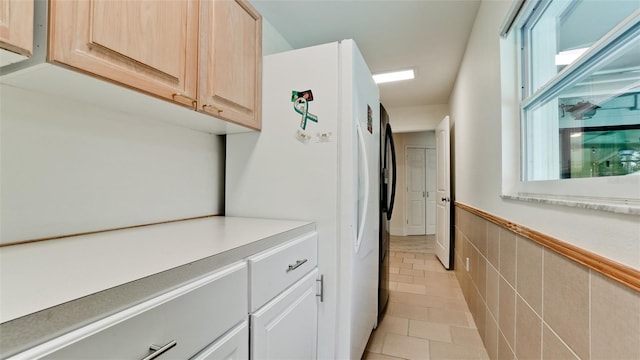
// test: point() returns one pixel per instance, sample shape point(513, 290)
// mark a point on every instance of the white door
point(416, 191)
point(443, 193)
point(431, 191)
point(286, 327)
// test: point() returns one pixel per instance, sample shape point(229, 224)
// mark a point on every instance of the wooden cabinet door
point(286, 327)
point(147, 45)
point(230, 66)
point(16, 26)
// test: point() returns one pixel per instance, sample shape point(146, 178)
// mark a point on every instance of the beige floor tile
point(407, 279)
point(406, 347)
point(426, 317)
point(393, 285)
point(456, 305)
point(402, 265)
point(414, 261)
point(412, 288)
point(466, 336)
point(410, 312)
point(417, 299)
point(448, 317)
point(376, 340)
point(412, 272)
point(429, 330)
point(392, 324)
point(445, 292)
point(375, 356)
point(442, 351)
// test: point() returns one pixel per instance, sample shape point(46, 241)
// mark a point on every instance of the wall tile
point(528, 332)
point(481, 231)
point(507, 312)
point(493, 244)
point(615, 320)
point(554, 348)
point(529, 273)
point(566, 301)
point(504, 351)
point(473, 229)
point(473, 265)
point(493, 286)
point(508, 256)
point(482, 277)
point(491, 336)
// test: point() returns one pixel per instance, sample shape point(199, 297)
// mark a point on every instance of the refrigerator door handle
point(365, 204)
point(389, 136)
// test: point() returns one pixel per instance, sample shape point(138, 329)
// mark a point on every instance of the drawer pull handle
point(194, 102)
point(296, 265)
point(159, 350)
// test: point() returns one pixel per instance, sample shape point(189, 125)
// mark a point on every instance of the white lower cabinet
point(174, 325)
point(232, 346)
point(286, 327)
point(262, 307)
point(284, 300)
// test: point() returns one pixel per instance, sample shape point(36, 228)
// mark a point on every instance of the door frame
point(405, 227)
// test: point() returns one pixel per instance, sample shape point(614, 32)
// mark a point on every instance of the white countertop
point(37, 276)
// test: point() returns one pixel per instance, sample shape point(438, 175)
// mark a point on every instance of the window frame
point(621, 192)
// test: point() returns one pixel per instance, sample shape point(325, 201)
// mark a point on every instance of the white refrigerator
point(317, 158)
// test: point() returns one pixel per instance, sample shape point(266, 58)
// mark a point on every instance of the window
point(580, 103)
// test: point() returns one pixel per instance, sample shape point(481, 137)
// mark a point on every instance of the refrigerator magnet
point(300, 100)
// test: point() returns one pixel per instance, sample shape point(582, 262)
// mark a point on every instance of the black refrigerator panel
point(387, 199)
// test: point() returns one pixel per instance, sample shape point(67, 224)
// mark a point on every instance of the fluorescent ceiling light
point(569, 56)
point(394, 76)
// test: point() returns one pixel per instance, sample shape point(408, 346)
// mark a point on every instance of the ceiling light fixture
point(394, 76)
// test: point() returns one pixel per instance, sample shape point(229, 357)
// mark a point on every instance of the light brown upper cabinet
point(203, 54)
point(230, 77)
point(16, 26)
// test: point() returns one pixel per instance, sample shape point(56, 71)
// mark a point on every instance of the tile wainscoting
point(535, 297)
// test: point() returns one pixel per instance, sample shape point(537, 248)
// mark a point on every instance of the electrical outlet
point(467, 265)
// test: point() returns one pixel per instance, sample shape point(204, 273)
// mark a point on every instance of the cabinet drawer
point(234, 345)
point(193, 316)
point(272, 271)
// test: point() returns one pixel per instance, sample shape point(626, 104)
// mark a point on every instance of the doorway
point(420, 165)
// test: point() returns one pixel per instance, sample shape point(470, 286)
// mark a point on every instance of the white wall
point(272, 41)
point(416, 118)
point(480, 114)
point(69, 167)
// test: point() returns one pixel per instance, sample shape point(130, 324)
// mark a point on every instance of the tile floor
point(427, 316)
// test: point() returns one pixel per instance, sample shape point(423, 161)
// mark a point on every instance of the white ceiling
point(429, 36)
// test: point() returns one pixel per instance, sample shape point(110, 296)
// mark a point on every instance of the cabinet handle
point(296, 265)
point(194, 102)
point(205, 106)
point(159, 350)
point(321, 281)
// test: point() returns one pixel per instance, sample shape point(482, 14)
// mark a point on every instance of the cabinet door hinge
point(321, 288)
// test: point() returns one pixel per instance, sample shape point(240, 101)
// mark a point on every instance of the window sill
point(618, 206)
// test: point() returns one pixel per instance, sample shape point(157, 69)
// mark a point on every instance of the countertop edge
point(30, 330)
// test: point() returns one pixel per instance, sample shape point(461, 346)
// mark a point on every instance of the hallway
point(427, 316)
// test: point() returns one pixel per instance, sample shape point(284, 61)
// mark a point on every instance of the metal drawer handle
point(159, 350)
point(296, 265)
